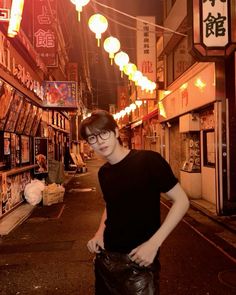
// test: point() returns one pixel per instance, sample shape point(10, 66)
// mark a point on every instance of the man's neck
point(119, 154)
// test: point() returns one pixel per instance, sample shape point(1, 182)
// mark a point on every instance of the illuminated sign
point(4, 14)
point(214, 27)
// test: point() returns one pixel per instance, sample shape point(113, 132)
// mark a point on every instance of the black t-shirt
point(131, 189)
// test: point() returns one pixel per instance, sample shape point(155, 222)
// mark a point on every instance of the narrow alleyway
point(47, 254)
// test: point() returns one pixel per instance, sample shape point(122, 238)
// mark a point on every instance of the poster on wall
point(6, 95)
point(12, 190)
point(60, 94)
point(25, 149)
point(30, 120)
point(7, 143)
point(35, 124)
point(14, 112)
point(41, 155)
point(24, 112)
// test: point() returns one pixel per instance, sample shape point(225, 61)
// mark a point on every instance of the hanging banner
point(44, 22)
point(122, 97)
point(60, 94)
point(146, 53)
point(72, 72)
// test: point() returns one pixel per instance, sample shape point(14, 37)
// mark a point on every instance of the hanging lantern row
point(98, 24)
point(127, 110)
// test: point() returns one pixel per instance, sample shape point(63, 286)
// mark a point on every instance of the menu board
point(14, 112)
point(24, 112)
point(25, 149)
point(35, 124)
point(12, 190)
point(6, 95)
point(41, 155)
point(7, 143)
point(13, 150)
point(30, 120)
point(17, 145)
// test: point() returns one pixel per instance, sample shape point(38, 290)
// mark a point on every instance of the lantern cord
point(157, 32)
point(139, 19)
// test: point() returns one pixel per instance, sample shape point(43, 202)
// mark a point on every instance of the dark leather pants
point(116, 274)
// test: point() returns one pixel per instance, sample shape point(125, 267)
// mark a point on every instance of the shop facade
point(197, 135)
point(26, 128)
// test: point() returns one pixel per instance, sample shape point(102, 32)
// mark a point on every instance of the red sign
point(123, 97)
point(45, 42)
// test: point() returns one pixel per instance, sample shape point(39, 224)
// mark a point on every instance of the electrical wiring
point(130, 27)
point(139, 19)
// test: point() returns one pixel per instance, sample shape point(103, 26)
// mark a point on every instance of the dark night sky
point(105, 77)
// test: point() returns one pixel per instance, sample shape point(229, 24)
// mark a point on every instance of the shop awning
point(135, 124)
point(150, 115)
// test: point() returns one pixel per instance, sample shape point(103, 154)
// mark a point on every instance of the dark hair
point(99, 120)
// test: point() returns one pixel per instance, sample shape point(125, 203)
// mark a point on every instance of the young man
point(129, 236)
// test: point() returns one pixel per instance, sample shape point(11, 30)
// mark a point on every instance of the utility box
point(189, 122)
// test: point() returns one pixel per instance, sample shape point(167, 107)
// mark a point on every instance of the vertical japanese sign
point(72, 72)
point(213, 28)
point(45, 42)
point(215, 21)
point(146, 52)
point(123, 97)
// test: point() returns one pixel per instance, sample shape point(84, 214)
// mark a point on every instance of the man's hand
point(144, 254)
point(95, 243)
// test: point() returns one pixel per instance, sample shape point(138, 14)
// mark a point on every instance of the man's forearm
point(102, 225)
point(174, 216)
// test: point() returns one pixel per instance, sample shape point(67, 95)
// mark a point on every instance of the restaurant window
point(209, 148)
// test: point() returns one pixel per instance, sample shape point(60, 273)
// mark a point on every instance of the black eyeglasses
point(93, 138)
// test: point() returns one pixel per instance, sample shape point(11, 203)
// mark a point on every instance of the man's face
point(103, 142)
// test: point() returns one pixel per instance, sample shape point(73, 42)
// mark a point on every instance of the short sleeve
point(161, 172)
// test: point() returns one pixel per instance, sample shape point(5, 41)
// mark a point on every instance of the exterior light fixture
point(98, 24)
point(121, 59)
point(79, 5)
point(15, 18)
point(198, 83)
point(111, 45)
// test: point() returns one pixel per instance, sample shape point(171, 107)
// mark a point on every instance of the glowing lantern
point(143, 82)
point(153, 86)
point(98, 24)
point(133, 106)
point(79, 5)
point(111, 45)
point(136, 76)
point(121, 59)
point(138, 102)
point(129, 69)
point(15, 18)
